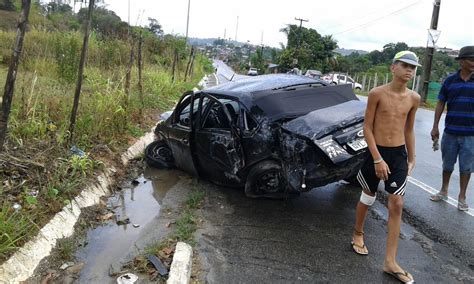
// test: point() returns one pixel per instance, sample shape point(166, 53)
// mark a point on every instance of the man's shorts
point(396, 159)
point(454, 146)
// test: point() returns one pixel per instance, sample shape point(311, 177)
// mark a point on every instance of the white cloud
point(367, 24)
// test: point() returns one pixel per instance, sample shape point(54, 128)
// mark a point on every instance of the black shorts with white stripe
point(396, 159)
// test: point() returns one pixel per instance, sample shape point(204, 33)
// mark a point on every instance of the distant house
point(449, 51)
point(273, 68)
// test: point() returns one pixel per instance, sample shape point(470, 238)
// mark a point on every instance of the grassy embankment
point(38, 172)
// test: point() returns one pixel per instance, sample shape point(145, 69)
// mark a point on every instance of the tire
point(158, 155)
point(265, 179)
point(358, 89)
point(333, 84)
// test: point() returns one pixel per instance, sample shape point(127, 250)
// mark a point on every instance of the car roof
point(279, 96)
point(248, 86)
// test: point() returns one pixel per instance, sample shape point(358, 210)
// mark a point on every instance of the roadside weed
point(13, 228)
point(195, 198)
point(185, 226)
point(81, 164)
point(67, 248)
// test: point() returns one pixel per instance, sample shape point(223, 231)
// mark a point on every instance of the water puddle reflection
point(108, 244)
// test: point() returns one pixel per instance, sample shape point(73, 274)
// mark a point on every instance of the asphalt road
point(307, 238)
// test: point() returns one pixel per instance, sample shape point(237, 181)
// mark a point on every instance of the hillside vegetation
point(40, 171)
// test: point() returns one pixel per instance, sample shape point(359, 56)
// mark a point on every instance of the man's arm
point(438, 111)
point(410, 133)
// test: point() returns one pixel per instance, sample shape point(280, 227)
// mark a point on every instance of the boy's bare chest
point(394, 106)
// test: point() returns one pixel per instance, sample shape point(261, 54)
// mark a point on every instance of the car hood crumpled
point(319, 123)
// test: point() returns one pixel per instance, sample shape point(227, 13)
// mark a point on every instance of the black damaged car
point(271, 134)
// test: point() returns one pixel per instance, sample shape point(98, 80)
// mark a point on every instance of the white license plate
point(357, 145)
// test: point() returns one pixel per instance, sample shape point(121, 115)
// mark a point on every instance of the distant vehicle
point(295, 71)
point(313, 74)
point(340, 79)
point(252, 71)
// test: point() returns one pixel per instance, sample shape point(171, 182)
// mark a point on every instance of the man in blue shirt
point(458, 137)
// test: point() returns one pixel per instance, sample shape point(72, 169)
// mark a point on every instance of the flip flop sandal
point(438, 197)
point(354, 246)
point(400, 276)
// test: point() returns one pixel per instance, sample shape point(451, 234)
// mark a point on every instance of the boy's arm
point(369, 124)
point(410, 134)
point(381, 168)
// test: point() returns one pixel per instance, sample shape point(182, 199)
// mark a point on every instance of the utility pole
point(430, 51)
point(299, 31)
point(128, 13)
point(187, 22)
point(236, 28)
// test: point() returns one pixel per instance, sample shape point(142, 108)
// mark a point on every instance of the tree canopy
point(307, 49)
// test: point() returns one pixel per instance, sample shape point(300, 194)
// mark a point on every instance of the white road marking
point(431, 190)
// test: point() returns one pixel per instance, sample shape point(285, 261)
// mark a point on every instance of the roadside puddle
point(134, 207)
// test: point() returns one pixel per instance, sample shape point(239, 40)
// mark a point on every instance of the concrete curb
point(21, 265)
point(180, 271)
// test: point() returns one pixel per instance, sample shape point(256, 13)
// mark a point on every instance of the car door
point(180, 138)
point(218, 146)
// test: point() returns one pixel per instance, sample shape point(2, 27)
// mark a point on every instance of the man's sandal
point(402, 276)
point(359, 249)
point(439, 197)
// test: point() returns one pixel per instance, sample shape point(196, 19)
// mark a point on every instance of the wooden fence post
point(140, 86)
point(12, 71)
point(189, 64)
point(175, 61)
point(72, 121)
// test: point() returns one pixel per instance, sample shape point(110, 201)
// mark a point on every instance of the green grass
point(14, 228)
point(38, 132)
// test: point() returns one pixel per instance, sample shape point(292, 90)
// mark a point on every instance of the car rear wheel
point(159, 155)
point(265, 180)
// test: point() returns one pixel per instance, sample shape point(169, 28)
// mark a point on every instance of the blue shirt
point(459, 97)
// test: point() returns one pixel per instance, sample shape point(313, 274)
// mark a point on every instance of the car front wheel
point(265, 180)
point(159, 155)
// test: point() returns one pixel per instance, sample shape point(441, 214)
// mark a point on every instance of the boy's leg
point(390, 265)
point(395, 208)
point(361, 213)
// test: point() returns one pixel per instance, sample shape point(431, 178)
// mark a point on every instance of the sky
point(363, 24)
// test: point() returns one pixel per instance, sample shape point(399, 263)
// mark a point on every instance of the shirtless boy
point(388, 130)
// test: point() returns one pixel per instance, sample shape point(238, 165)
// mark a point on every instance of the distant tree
point(155, 27)
point(53, 7)
point(219, 41)
point(258, 61)
point(106, 22)
point(7, 5)
point(307, 49)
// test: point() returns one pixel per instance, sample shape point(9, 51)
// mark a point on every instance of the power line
point(377, 19)
point(365, 16)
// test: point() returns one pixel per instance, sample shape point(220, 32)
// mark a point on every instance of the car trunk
point(332, 129)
